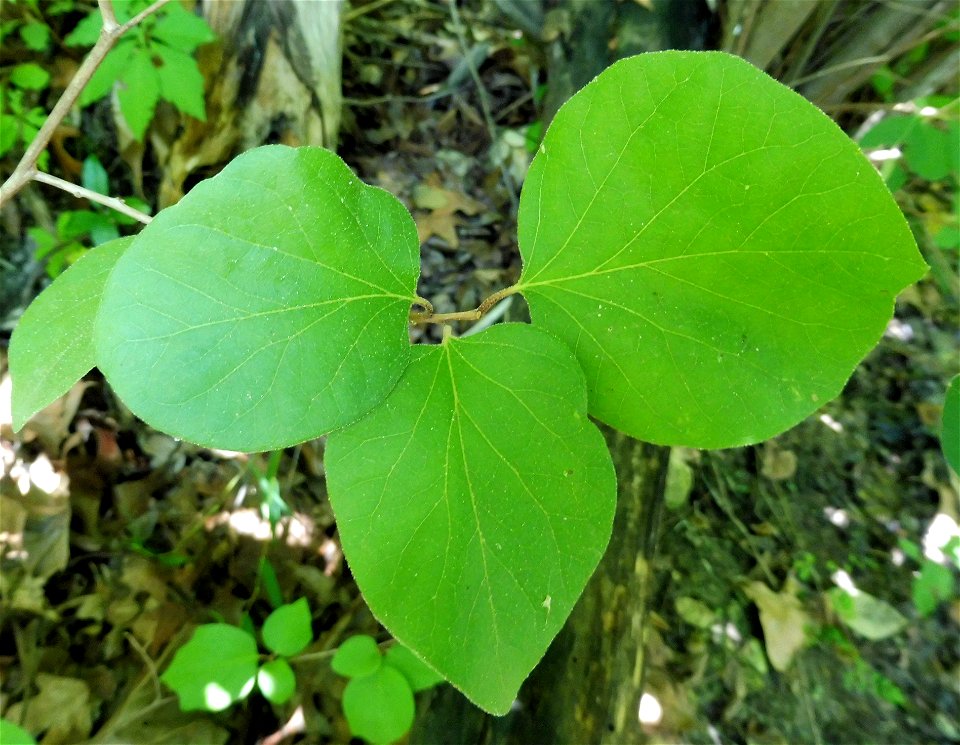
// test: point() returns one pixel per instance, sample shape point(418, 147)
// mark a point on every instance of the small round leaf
point(379, 707)
point(215, 668)
point(276, 681)
point(357, 656)
point(287, 630)
point(418, 674)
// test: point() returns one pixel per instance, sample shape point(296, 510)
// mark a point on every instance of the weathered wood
point(273, 75)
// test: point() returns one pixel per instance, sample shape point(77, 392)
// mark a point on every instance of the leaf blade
point(202, 686)
point(518, 529)
point(216, 336)
point(717, 277)
point(52, 345)
point(288, 630)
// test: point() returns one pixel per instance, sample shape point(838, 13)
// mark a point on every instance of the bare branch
point(141, 15)
point(81, 192)
point(109, 34)
point(109, 17)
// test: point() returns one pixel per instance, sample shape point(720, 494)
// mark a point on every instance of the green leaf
point(181, 29)
point(928, 152)
point(474, 504)
point(934, 584)
point(379, 707)
point(950, 428)
point(269, 306)
point(418, 674)
point(139, 93)
point(215, 668)
point(947, 238)
point(870, 617)
point(36, 36)
point(276, 681)
point(87, 31)
point(9, 131)
point(94, 176)
point(357, 656)
point(52, 345)
point(11, 734)
point(109, 72)
point(30, 76)
point(717, 253)
point(287, 630)
point(180, 81)
point(76, 223)
point(890, 131)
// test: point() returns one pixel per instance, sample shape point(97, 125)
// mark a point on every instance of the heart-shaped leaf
point(715, 250)
point(288, 630)
point(379, 707)
point(52, 345)
point(474, 504)
point(357, 656)
point(266, 308)
point(276, 681)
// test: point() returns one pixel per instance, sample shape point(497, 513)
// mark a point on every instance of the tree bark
point(273, 76)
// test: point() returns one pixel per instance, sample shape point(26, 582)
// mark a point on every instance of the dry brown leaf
point(443, 204)
point(61, 708)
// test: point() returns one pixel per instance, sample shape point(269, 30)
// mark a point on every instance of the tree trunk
point(273, 76)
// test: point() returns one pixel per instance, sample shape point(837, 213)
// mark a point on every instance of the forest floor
point(117, 539)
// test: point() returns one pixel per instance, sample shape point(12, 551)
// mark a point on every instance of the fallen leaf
point(51, 426)
point(783, 620)
point(61, 708)
point(443, 204)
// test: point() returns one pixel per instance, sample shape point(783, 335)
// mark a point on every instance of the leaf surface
point(717, 253)
point(52, 345)
point(418, 675)
point(474, 504)
point(287, 630)
point(276, 681)
point(357, 656)
point(268, 307)
point(215, 668)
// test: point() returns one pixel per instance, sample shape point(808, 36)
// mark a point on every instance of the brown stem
point(26, 169)
point(419, 317)
point(81, 192)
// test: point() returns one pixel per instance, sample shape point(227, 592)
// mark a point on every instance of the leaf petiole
point(428, 316)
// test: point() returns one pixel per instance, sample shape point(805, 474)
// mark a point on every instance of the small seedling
point(378, 701)
point(220, 665)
